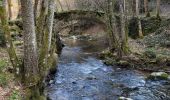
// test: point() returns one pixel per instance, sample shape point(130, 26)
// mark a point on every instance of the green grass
point(3, 64)
point(15, 95)
point(3, 76)
point(3, 80)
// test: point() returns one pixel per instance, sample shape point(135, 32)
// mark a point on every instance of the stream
point(83, 76)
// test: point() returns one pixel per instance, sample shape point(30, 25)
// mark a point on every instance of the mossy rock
point(106, 54)
point(123, 63)
point(158, 76)
point(109, 62)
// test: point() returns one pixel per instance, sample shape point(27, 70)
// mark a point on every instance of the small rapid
point(82, 75)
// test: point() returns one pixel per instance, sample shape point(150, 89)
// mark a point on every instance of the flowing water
point(83, 76)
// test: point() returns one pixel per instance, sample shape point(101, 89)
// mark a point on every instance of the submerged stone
point(124, 98)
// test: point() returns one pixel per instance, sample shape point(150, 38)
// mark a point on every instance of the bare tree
point(110, 25)
point(10, 9)
point(37, 3)
point(124, 35)
point(47, 35)
point(158, 8)
point(41, 22)
point(146, 6)
point(9, 44)
point(139, 21)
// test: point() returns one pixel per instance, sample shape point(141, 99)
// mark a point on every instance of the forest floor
point(9, 88)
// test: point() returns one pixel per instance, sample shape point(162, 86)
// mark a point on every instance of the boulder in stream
point(158, 75)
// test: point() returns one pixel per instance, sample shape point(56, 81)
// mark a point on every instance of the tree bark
point(47, 37)
point(110, 25)
point(35, 9)
point(158, 8)
point(30, 44)
point(50, 20)
point(124, 36)
point(139, 22)
point(40, 26)
point(8, 39)
point(133, 8)
point(10, 9)
point(146, 8)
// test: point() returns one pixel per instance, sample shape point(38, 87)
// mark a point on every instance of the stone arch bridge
point(69, 18)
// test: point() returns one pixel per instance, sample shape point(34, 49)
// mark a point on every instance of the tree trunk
point(110, 25)
point(31, 71)
point(146, 8)
point(139, 22)
point(47, 37)
point(10, 9)
point(9, 44)
point(36, 9)
point(124, 36)
point(41, 22)
point(50, 20)
point(158, 8)
point(133, 7)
